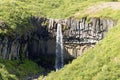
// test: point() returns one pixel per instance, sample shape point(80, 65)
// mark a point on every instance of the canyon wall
point(81, 34)
point(78, 35)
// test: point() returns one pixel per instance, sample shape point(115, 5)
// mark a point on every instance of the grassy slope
point(16, 13)
point(99, 63)
point(96, 63)
point(13, 70)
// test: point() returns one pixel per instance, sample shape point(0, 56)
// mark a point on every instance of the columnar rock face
point(78, 35)
point(84, 30)
point(81, 34)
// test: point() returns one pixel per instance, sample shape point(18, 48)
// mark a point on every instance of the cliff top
point(17, 14)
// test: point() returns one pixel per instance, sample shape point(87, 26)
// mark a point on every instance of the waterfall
point(59, 48)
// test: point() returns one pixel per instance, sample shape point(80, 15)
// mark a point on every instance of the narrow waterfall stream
point(59, 63)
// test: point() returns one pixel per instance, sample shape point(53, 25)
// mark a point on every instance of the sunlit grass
point(100, 63)
point(16, 13)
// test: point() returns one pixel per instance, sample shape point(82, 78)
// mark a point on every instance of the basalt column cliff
point(78, 35)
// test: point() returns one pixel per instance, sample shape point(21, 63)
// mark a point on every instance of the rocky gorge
point(78, 35)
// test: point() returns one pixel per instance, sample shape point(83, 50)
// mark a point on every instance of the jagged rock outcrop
point(41, 40)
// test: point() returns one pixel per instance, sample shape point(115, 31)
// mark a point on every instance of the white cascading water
point(59, 63)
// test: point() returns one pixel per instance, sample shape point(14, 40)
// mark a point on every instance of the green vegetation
point(13, 70)
point(99, 63)
point(17, 13)
point(5, 75)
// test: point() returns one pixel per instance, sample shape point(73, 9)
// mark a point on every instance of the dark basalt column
point(41, 40)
